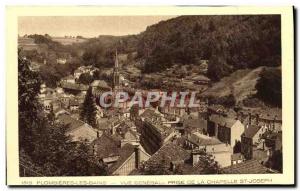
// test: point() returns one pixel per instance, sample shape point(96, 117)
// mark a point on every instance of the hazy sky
point(87, 26)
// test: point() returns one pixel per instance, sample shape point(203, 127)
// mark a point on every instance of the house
point(77, 129)
point(61, 61)
point(237, 158)
point(273, 141)
point(74, 105)
point(172, 159)
point(226, 129)
point(60, 111)
point(68, 79)
point(119, 159)
point(247, 167)
point(99, 87)
point(127, 131)
point(77, 73)
point(193, 124)
point(74, 88)
point(154, 134)
point(221, 152)
point(250, 139)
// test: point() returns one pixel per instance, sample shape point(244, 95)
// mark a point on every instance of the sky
point(93, 26)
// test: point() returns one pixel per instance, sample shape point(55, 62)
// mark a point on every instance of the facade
point(251, 139)
point(226, 129)
point(221, 152)
point(154, 134)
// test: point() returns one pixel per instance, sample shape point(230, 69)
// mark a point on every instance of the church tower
point(116, 74)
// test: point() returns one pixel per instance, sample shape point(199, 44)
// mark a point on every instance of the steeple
point(116, 74)
point(116, 60)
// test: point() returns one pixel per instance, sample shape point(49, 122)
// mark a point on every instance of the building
point(194, 124)
point(61, 61)
point(172, 159)
point(247, 167)
point(237, 158)
point(226, 129)
point(74, 105)
point(99, 87)
point(78, 130)
point(73, 88)
point(154, 134)
point(250, 139)
point(221, 152)
point(119, 159)
point(77, 73)
point(68, 79)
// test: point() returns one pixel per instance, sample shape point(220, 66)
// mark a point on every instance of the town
point(134, 140)
point(226, 129)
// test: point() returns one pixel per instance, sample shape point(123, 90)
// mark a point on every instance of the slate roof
point(195, 123)
point(202, 140)
point(251, 130)
point(71, 86)
point(224, 121)
point(70, 122)
point(169, 152)
point(106, 146)
point(125, 152)
point(100, 83)
point(247, 167)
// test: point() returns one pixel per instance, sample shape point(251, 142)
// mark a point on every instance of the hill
point(248, 87)
point(228, 42)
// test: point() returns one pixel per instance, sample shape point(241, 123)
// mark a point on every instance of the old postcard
point(150, 96)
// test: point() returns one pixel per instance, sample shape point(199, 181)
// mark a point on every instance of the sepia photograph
point(151, 95)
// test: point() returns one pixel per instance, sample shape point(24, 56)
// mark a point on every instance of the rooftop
point(99, 83)
point(168, 153)
point(70, 122)
point(247, 167)
point(203, 140)
point(72, 86)
point(225, 121)
point(251, 130)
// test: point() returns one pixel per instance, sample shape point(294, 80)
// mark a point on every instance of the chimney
point(242, 117)
point(94, 149)
point(195, 157)
point(250, 119)
point(257, 119)
point(137, 157)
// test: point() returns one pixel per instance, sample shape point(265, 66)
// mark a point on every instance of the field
point(241, 84)
point(68, 41)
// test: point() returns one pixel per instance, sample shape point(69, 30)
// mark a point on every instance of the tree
point(208, 165)
point(270, 84)
point(85, 78)
point(28, 89)
point(43, 144)
point(275, 161)
point(237, 147)
point(88, 110)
